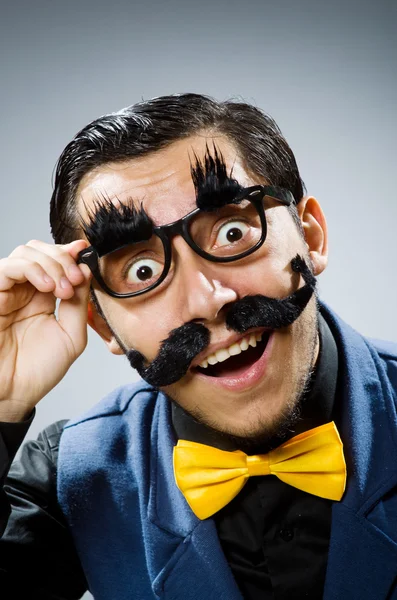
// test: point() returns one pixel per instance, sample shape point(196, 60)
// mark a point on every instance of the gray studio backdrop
point(325, 70)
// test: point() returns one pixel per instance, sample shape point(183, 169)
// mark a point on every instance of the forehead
point(161, 180)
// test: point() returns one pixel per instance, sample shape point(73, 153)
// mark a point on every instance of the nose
point(201, 292)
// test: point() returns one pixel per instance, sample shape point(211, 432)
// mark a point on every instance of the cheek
point(283, 237)
point(265, 276)
point(143, 327)
point(269, 272)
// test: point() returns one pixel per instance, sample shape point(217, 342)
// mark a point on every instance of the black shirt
point(274, 537)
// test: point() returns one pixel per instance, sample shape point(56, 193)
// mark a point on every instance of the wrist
point(14, 414)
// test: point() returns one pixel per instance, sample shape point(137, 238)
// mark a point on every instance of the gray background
point(325, 70)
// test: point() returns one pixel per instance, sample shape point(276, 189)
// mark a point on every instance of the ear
point(99, 325)
point(315, 231)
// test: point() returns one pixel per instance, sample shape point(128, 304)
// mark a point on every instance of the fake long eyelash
point(110, 227)
point(214, 186)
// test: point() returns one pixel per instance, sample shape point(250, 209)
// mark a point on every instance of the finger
point(72, 314)
point(65, 254)
point(61, 268)
point(20, 270)
point(72, 248)
point(75, 247)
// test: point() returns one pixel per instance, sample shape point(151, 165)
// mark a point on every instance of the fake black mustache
point(186, 342)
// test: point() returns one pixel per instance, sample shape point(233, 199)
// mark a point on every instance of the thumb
point(72, 313)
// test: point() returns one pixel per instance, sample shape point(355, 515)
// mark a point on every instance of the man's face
point(255, 391)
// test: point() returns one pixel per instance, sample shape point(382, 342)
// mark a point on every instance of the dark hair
point(148, 126)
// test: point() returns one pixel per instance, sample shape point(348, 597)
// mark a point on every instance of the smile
point(239, 366)
point(233, 350)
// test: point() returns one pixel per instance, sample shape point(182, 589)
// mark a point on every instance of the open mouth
point(236, 365)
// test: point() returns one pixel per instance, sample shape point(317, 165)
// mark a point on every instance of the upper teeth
point(236, 348)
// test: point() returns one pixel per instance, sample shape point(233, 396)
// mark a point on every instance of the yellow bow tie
point(209, 478)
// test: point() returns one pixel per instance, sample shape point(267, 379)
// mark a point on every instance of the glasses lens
point(133, 268)
point(229, 231)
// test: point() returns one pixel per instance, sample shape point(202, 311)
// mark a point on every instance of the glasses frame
point(255, 194)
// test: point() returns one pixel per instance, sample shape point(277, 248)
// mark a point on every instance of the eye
point(231, 232)
point(143, 270)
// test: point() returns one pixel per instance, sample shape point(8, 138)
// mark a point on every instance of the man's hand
point(36, 349)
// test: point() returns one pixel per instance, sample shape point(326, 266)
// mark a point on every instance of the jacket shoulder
point(385, 349)
point(117, 402)
point(107, 450)
point(387, 352)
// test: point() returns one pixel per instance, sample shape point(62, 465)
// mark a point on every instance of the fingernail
point(65, 283)
point(47, 279)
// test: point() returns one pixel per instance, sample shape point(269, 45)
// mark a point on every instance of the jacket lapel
point(362, 558)
point(198, 569)
point(184, 556)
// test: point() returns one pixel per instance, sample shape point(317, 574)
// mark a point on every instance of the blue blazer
point(138, 539)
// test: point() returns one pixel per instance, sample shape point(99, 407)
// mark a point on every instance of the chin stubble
point(266, 435)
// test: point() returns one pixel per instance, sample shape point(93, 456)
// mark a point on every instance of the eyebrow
point(110, 227)
point(214, 186)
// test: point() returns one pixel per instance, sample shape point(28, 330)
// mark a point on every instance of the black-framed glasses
point(224, 235)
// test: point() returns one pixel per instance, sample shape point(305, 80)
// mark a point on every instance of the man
point(184, 225)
